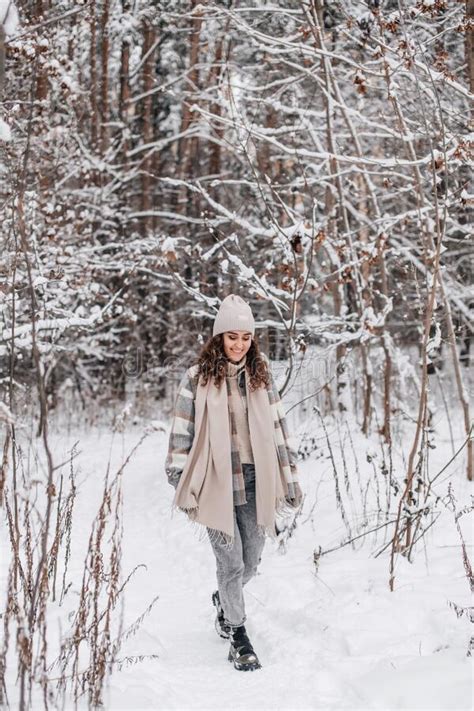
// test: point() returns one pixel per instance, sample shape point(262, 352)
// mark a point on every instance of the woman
point(230, 462)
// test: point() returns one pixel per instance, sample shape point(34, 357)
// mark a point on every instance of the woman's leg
point(230, 571)
point(252, 539)
point(237, 565)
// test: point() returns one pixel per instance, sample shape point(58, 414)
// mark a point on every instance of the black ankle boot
point(222, 628)
point(241, 652)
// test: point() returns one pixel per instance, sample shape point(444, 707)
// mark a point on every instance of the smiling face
point(236, 344)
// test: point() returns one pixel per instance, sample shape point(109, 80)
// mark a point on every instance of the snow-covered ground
point(335, 639)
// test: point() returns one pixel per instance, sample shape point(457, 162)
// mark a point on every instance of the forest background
point(310, 155)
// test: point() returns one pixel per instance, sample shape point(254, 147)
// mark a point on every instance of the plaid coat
point(182, 435)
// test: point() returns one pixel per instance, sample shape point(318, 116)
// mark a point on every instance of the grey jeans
point(237, 565)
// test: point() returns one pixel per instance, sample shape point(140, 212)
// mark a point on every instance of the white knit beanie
point(234, 315)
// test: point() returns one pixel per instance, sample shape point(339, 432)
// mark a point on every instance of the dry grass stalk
point(460, 610)
point(96, 631)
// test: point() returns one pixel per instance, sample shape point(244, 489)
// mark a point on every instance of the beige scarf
point(204, 491)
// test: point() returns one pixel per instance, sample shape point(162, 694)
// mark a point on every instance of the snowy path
point(340, 640)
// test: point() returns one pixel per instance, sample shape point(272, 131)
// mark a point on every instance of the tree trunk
point(469, 44)
point(104, 86)
point(147, 123)
point(185, 143)
point(41, 89)
point(2, 60)
point(93, 80)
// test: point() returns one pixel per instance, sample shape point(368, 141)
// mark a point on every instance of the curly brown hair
point(212, 362)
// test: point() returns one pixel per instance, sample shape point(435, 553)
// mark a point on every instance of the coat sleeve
point(295, 495)
point(289, 441)
point(182, 429)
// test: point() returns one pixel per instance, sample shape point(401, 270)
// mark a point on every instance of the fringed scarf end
point(202, 531)
point(267, 531)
